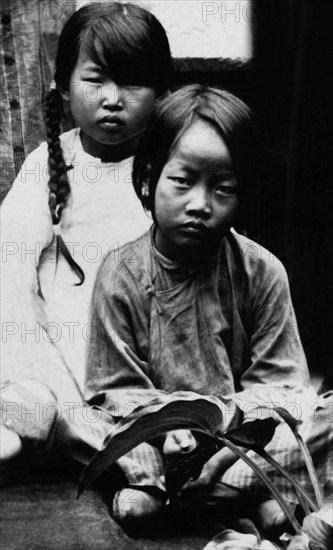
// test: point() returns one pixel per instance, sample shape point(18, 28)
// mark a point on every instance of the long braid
point(58, 183)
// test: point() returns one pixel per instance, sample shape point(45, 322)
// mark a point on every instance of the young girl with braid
point(73, 201)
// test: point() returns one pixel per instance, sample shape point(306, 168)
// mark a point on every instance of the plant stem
point(293, 425)
point(311, 469)
point(303, 497)
point(276, 493)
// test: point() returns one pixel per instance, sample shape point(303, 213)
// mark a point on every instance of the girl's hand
point(179, 441)
point(209, 475)
point(10, 444)
point(213, 470)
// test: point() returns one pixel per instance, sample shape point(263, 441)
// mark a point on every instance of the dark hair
point(173, 115)
point(130, 45)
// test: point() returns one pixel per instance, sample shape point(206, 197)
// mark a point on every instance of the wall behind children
point(275, 54)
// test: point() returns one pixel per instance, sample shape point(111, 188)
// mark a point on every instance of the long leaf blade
point(305, 500)
point(269, 484)
point(254, 434)
point(293, 424)
point(150, 421)
point(257, 434)
point(289, 419)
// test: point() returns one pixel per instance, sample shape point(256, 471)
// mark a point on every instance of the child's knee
point(10, 444)
point(28, 408)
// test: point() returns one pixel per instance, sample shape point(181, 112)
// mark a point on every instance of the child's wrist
point(223, 460)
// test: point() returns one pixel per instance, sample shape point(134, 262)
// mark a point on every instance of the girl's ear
point(145, 187)
point(64, 94)
point(145, 190)
point(146, 181)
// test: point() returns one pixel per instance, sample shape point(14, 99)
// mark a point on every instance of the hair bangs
point(123, 50)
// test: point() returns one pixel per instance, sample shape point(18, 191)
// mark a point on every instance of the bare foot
point(133, 505)
point(179, 441)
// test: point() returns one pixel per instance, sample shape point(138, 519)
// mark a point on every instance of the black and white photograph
point(166, 216)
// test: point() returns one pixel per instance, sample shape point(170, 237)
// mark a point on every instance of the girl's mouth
point(195, 227)
point(194, 231)
point(110, 122)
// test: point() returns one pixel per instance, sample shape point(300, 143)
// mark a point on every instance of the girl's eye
point(133, 87)
point(93, 80)
point(180, 180)
point(224, 189)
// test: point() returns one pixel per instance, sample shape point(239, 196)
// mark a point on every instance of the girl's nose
point(199, 201)
point(113, 95)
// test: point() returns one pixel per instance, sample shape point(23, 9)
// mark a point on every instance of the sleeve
point(278, 372)
point(26, 232)
point(118, 373)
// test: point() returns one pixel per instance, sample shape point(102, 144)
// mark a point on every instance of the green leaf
point(166, 412)
point(253, 435)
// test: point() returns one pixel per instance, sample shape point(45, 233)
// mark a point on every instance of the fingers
point(191, 487)
point(10, 444)
point(179, 441)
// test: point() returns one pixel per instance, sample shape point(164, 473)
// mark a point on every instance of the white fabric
point(103, 212)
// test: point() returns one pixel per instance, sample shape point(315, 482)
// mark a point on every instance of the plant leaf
point(167, 412)
point(253, 435)
point(304, 499)
point(293, 424)
point(264, 477)
point(319, 527)
point(189, 465)
point(289, 419)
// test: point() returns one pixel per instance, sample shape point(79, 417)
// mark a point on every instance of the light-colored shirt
point(45, 316)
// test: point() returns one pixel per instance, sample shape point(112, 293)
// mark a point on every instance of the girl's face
point(196, 194)
point(111, 117)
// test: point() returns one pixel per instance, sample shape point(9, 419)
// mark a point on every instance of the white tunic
point(45, 316)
